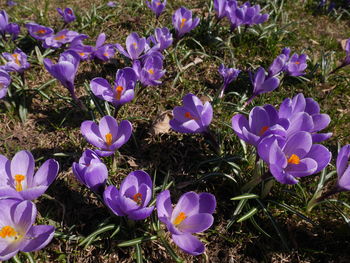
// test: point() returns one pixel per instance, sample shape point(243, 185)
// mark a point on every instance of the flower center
point(158, 3)
point(16, 58)
point(294, 159)
point(108, 139)
point(106, 54)
point(151, 71)
point(69, 12)
point(18, 182)
point(82, 54)
point(263, 130)
point(1, 86)
point(297, 62)
point(7, 231)
point(119, 90)
point(61, 37)
point(41, 32)
point(135, 45)
point(183, 21)
point(181, 217)
point(189, 116)
point(137, 198)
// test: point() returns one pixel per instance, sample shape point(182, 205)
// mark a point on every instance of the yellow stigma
point(41, 32)
point(106, 54)
point(135, 45)
point(60, 37)
point(263, 130)
point(7, 231)
point(297, 62)
point(16, 57)
point(183, 21)
point(119, 90)
point(108, 139)
point(294, 159)
point(137, 198)
point(150, 71)
point(181, 217)
point(82, 54)
point(158, 3)
point(18, 179)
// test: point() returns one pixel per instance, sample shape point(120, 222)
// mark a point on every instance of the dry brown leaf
point(161, 124)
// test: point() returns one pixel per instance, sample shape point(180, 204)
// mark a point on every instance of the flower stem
point(213, 142)
point(318, 198)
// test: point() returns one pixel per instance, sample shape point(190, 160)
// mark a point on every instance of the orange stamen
point(18, 179)
point(60, 37)
point(263, 130)
point(181, 217)
point(82, 54)
point(135, 45)
point(106, 54)
point(69, 12)
point(137, 198)
point(189, 116)
point(297, 62)
point(294, 159)
point(108, 139)
point(7, 231)
point(150, 71)
point(158, 3)
point(16, 57)
point(41, 32)
point(183, 21)
point(119, 90)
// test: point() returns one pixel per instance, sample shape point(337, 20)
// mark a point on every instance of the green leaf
point(89, 239)
point(244, 196)
point(138, 253)
point(135, 241)
point(171, 252)
point(251, 213)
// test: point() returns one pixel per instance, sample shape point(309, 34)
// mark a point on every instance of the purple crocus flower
point(193, 116)
point(5, 81)
point(121, 92)
point(11, 3)
point(91, 171)
point(65, 70)
point(4, 21)
point(296, 65)
point(262, 122)
point(250, 15)
point(262, 83)
point(17, 180)
point(220, 8)
point(132, 198)
point(304, 114)
point(107, 135)
point(343, 169)
point(162, 39)
point(17, 232)
point(151, 71)
point(231, 8)
point(192, 214)
point(278, 65)
point(104, 52)
point(294, 157)
point(229, 75)
point(347, 50)
point(39, 32)
point(16, 61)
point(135, 45)
point(67, 14)
point(183, 22)
point(156, 6)
point(83, 51)
point(111, 4)
point(62, 37)
point(13, 29)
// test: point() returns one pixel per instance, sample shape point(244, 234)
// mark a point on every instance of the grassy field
point(42, 118)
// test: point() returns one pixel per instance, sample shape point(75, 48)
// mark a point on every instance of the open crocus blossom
point(262, 122)
point(91, 171)
point(343, 169)
point(4, 21)
point(135, 45)
point(229, 75)
point(193, 116)
point(121, 92)
point(262, 83)
point(296, 65)
point(107, 135)
point(5, 81)
point(16, 61)
point(65, 70)
point(183, 22)
point(67, 14)
point(132, 198)
point(39, 32)
point(156, 6)
point(192, 214)
point(17, 232)
point(63, 37)
point(17, 180)
point(162, 39)
point(151, 71)
point(304, 114)
point(294, 157)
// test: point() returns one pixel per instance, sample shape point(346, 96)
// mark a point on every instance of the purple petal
point(321, 155)
point(23, 164)
point(96, 176)
point(110, 197)
point(282, 176)
point(90, 131)
point(196, 223)
point(305, 167)
point(164, 206)
point(188, 243)
point(141, 213)
point(207, 203)
point(299, 144)
point(37, 238)
point(46, 173)
point(187, 204)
